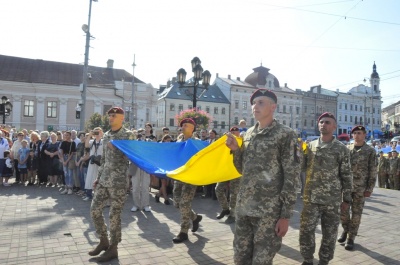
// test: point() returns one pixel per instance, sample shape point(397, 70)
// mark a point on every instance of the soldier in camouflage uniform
point(183, 193)
point(394, 171)
point(270, 165)
point(328, 183)
point(222, 187)
point(363, 167)
point(111, 184)
point(383, 165)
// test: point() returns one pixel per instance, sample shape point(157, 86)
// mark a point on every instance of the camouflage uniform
point(270, 165)
point(233, 191)
point(112, 185)
point(183, 195)
point(328, 175)
point(383, 166)
point(363, 168)
point(394, 168)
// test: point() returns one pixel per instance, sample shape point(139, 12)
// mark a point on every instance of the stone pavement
point(40, 226)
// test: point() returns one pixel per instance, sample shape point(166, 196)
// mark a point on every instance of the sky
point(304, 43)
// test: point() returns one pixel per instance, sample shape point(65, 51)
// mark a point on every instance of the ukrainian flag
point(193, 162)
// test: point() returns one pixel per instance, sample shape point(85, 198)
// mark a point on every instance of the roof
point(48, 72)
point(259, 77)
point(212, 94)
point(235, 82)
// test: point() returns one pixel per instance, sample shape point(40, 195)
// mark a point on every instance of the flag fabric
point(194, 162)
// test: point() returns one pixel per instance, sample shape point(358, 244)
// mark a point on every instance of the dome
point(262, 77)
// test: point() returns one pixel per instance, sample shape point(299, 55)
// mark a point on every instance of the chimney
point(286, 85)
point(217, 75)
point(110, 63)
point(238, 78)
point(229, 76)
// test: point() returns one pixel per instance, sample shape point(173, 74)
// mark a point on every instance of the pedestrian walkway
point(40, 226)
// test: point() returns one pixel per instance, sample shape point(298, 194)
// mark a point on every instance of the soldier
point(270, 166)
point(383, 164)
point(220, 189)
point(328, 182)
point(394, 171)
point(184, 193)
point(110, 184)
point(362, 159)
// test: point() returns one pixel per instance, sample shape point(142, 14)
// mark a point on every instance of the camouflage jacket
point(394, 165)
point(363, 167)
point(114, 164)
point(383, 165)
point(270, 166)
point(328, 173)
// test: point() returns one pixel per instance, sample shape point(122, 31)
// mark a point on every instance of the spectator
point(67, 151)
point(164, 181)
point(32, 167)
point(80, 151)
point(7, 168)
point(148, 133)
point(14, 155)
point(23, 154)
point(95, 146)
point(54, 160)
point(43, 159)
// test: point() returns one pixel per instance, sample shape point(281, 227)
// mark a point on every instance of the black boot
point(109, 254)
point(196, 223)
point(180, 237)
point(342, 238)
point(349, 244)
point(223, 213)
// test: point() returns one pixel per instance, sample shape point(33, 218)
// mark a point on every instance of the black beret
point(358, 128)
point(263, 92)
point(187, 120)
point(116, 110)
point(327, 115)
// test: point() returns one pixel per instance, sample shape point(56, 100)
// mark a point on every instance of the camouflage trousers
point(255, 241)
point(330, 220)
point(220, 190)
point(117, 197)
point(351, 223)
point(394, 181)
point(183, 196)
point(382, 180)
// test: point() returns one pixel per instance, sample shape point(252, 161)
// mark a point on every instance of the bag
point(95, 159)
point(71, 163)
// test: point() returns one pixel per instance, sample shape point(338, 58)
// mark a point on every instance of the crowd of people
point(335, 180)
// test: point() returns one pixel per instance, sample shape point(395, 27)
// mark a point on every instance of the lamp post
point(5, 108)
point(86, 29)
point(198, 75)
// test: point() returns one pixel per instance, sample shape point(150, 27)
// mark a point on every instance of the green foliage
point(97, 120)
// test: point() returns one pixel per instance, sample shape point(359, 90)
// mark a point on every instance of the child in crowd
point(23, 155)
point(7, 170)
point(32, 167)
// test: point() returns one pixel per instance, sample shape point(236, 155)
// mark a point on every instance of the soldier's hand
point(281, 227)
point(367, 194)
point(344, 206)
point(95, 184)
point(110, 145)
point(231, 142)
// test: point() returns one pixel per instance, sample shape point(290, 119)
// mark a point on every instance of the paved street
point(40, 226)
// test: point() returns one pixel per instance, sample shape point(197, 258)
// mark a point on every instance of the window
point(340, 106)
point(373, 120)
point(52, 109)
point(172, 107)
point(312, 123)
point(171, 122)
point(290, 110)
point(345, 117)
point(351, 106)
point(355, 119)
point(284, 122)
point(198, 107)
point(305, 123)
point(105, 109)
point(355, 107)
point(297, 110)
point(373, 110)
point(180, 107)
point(215, 110)
point(312, 110)
point(244, 103)
point(345, 106)
point(28, 108)
point(269, 84)
point(215, 124)
point(222, 125)
point(369, 120)
point(236, 121)
point(223, 111)
point(340, 117)
point(305, 109)
point(360, 108)
point(236, 104)
point(361, 121)
point(278, 108)
point(284, 108)
point(351, 118)
point(207, 109)
point(297, 124)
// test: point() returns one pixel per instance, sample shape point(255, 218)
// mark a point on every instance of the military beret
point(263, 92)
point(187, 120)
point(234, 129)
point(358, 128)
point(115, 110)
point(395, 151)
point(326, 115)
point(380, 152)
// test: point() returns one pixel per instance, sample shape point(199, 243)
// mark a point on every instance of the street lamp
point(198, 75)
point(5, 108)
point(86, 29)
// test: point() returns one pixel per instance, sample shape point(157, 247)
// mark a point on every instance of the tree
point(97, 120)
point(202, 118)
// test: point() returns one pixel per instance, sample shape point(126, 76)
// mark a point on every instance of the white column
point(16, 111)
point(62, 114)
point(40, 113)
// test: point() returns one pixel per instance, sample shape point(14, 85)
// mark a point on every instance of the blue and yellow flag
point(194, 162)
